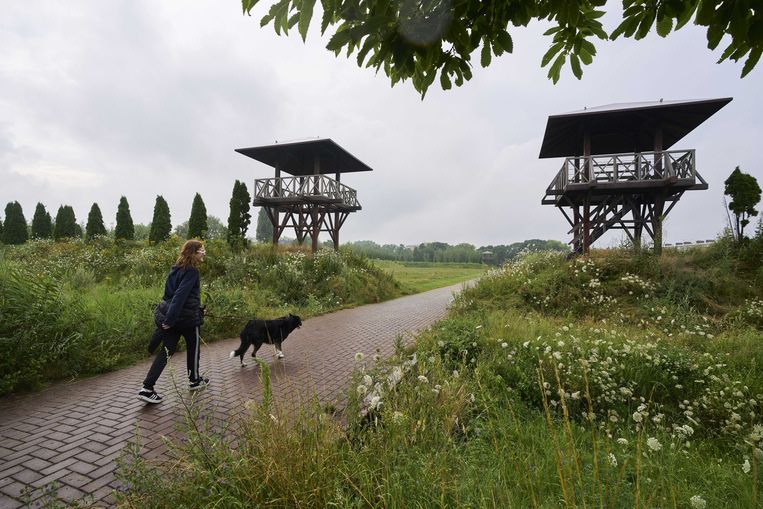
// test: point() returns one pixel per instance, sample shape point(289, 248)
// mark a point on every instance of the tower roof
point(300, 158)
point(625, 127)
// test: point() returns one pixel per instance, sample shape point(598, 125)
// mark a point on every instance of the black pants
point(169, 338)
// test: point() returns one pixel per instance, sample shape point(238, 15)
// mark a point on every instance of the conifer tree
point(66, 223)
point(197, 224)
point(264, 227)
point(239, 218)
point(15, 227)
point(124, 228)
point(95, 226)
point(161, 225)
point(1, 231)
point(42, 224)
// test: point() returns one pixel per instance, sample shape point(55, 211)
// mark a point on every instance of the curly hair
point(188, 254)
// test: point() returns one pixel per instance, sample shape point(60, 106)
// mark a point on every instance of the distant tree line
point(460, 253)
point(14, 228)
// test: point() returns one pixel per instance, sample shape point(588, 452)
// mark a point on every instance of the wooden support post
point(657, 217)
point(587, 155)
point(587, 224)
point(658, 151)
point(274, 217)
point(638, 225)
point(337, 225)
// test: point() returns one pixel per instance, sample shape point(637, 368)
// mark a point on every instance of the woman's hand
point(165, 326)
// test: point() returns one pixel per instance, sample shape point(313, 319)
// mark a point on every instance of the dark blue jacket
point(182, 295)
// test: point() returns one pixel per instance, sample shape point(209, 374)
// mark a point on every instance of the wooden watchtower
point(618, 172)
point(309, 201)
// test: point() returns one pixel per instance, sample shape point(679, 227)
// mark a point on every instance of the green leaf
point(556, 67)
point(504, 40)
point(305, 15)
point(588, 47)
point(714, 35)
point(598, 31)
point(327, 19)
point(726, 53)
point(486, 56)
point(367, 45)
point(575, 64)
point(752, 61)
point(293, 20)
point(445, 80)
point(686, 14)
point(646, 24)
point(585, 57)
point(664, 26)
point(705, 12)
point(247, 5)
point(338, 40)
point(553, 50)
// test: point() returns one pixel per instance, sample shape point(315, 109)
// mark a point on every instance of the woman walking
point(179, 314)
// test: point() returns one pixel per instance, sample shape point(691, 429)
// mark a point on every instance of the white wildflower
point(504, 345)
point(746, 466)
point(361, 390)
point(612, 460)
point(653, 444)
point(367, 380)
point(423, 379)
point(698, 502)
point(622, 441)
point(359, 356)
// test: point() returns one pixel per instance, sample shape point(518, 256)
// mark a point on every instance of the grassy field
point(415, 277)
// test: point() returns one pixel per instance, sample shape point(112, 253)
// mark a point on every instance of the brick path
point(72, 433)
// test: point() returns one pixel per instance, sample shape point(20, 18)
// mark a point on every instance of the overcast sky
point(101, 99)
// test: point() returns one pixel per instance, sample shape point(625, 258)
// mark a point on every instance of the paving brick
point(7, 502)
point(81, 467)
point(27, 476)
point(88, 456)
point(98, 483)
point(55, 467)
point(15, 489)
point(75, 479)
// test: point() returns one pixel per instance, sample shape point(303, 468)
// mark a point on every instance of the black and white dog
point(272, 332)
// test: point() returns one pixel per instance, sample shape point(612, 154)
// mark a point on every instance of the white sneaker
point(279, 354)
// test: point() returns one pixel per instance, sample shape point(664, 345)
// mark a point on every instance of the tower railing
point(620, 168)
point(312, 186)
